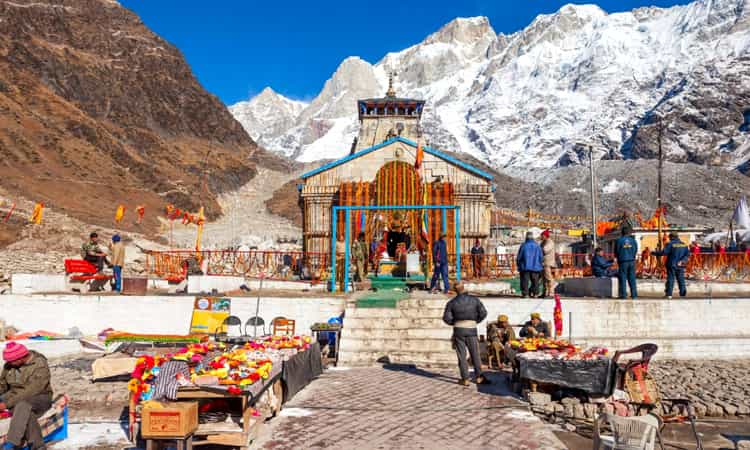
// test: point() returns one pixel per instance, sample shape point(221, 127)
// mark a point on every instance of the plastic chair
point(283, 326)
point(230, 321)
point(628, 433)
point(331, 335)
point(255, 322)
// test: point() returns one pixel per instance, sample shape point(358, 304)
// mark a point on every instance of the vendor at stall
point(25, 390)
point(500, 333)
point(535, 327)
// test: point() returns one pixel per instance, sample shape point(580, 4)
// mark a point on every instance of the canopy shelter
point(348, 227)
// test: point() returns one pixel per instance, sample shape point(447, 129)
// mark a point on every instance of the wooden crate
point(173, 420)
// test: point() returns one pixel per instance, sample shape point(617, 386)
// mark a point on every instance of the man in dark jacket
point(25, 389)
point(535, 328)
point(439, 263)
point(600, 265)
point(529, 261)
point(463, 313)
point(678, 254)
point(626, 250)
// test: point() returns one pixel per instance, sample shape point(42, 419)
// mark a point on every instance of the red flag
point(558, 316)
point(10, 212)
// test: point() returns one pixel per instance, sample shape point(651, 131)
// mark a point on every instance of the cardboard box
point(173, 419)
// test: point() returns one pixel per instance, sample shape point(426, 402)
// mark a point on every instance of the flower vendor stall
point(559, 363)
point(236, 387)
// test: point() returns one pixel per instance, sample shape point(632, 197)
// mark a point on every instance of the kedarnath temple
point(389, 166)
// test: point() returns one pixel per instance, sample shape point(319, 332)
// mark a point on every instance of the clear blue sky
point(237, 47)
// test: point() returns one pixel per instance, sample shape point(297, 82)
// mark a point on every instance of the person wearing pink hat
point(26, 391)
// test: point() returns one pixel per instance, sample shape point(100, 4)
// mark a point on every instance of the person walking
point(117, 252)
point(464, 312)
point(678, 254)
point(548, 263)
point(439, 264)
point(529, 261)
point(477, 257)
point(626, 248)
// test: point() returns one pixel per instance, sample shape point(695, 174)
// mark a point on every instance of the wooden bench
point(81, 271)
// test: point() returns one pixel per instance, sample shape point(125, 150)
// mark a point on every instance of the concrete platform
point(608, 288)
point(702, 328)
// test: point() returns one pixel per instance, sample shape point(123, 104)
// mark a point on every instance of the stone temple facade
point(383, 169)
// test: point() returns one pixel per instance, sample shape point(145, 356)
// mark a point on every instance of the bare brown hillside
point(97, 110)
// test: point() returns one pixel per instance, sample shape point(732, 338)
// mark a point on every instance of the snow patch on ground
point(295, 412)
point(92, 434)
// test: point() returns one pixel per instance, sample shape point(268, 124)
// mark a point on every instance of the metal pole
point(658, 184)
point(593, 194)
point(257, 309)
point(334, 218)
point(570, 327)
point(458, 243)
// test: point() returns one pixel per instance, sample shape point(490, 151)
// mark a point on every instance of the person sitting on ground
point(535, 327)
point(463, 313)
point(600, 266)
point(92, 252)
point(26, 391)
point(500, 333)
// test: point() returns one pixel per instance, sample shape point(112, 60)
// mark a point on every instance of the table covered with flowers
point(562, 364)
point(236, 386)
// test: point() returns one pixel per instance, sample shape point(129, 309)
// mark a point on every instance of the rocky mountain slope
point(524, 101)
point(97, 110)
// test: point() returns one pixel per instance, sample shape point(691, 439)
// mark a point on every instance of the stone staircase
point(411, 333)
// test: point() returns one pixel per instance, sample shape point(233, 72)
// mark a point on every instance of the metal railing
point(297, 265)
point(275, 265)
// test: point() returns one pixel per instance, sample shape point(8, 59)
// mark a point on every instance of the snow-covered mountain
point(524, 100)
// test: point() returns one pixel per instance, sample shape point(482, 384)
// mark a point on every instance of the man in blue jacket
point(626, 249)
point(600, 266)
point(439, 264)
point(529, 261)
point(678, 254)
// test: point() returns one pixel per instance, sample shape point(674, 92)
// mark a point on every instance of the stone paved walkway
point(399, 407)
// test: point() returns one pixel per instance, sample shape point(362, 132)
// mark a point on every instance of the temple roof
point(430, 150)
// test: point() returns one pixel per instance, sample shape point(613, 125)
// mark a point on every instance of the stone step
point(395, 345)
point(394, 312)
point(392, 323)
point(423, 359)
point(376, 332)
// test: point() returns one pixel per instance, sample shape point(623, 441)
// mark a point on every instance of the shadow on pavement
point(500, 386)
point(414, 370)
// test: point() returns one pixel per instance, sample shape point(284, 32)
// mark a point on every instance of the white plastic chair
point(628, 433)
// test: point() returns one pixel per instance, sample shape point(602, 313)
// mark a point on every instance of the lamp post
point(593, 189)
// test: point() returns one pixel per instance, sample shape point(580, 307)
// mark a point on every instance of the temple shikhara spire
point(391, 93)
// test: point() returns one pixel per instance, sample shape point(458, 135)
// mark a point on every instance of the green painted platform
point(381, 298)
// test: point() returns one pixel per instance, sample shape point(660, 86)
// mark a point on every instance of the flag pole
point(659, 184)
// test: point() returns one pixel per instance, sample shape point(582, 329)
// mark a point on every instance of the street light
point(593, 188)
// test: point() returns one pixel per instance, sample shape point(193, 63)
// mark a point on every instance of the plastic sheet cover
point(595, 376)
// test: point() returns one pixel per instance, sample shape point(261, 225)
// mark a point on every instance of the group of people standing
point(677, 254)
point(92, 252)
point(535, 261)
